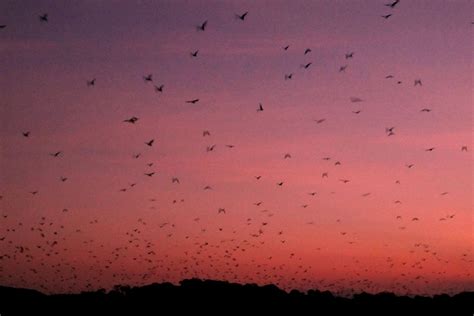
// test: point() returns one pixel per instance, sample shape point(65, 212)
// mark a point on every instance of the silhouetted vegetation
point(221, 297)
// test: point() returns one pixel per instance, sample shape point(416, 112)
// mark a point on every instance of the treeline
point(219, 297)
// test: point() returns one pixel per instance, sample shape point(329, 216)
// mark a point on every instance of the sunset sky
point(346, 236)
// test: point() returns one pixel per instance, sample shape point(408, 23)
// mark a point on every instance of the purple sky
point(45, 68)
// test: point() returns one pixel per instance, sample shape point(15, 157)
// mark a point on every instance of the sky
point(390, 227)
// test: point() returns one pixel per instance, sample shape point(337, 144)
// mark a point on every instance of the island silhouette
point(204, 296)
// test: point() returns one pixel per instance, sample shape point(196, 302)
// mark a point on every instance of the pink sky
point(45, 67)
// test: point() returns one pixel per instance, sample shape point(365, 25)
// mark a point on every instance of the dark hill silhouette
point(198, 296)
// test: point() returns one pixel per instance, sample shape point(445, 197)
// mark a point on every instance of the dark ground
point(217, 297)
